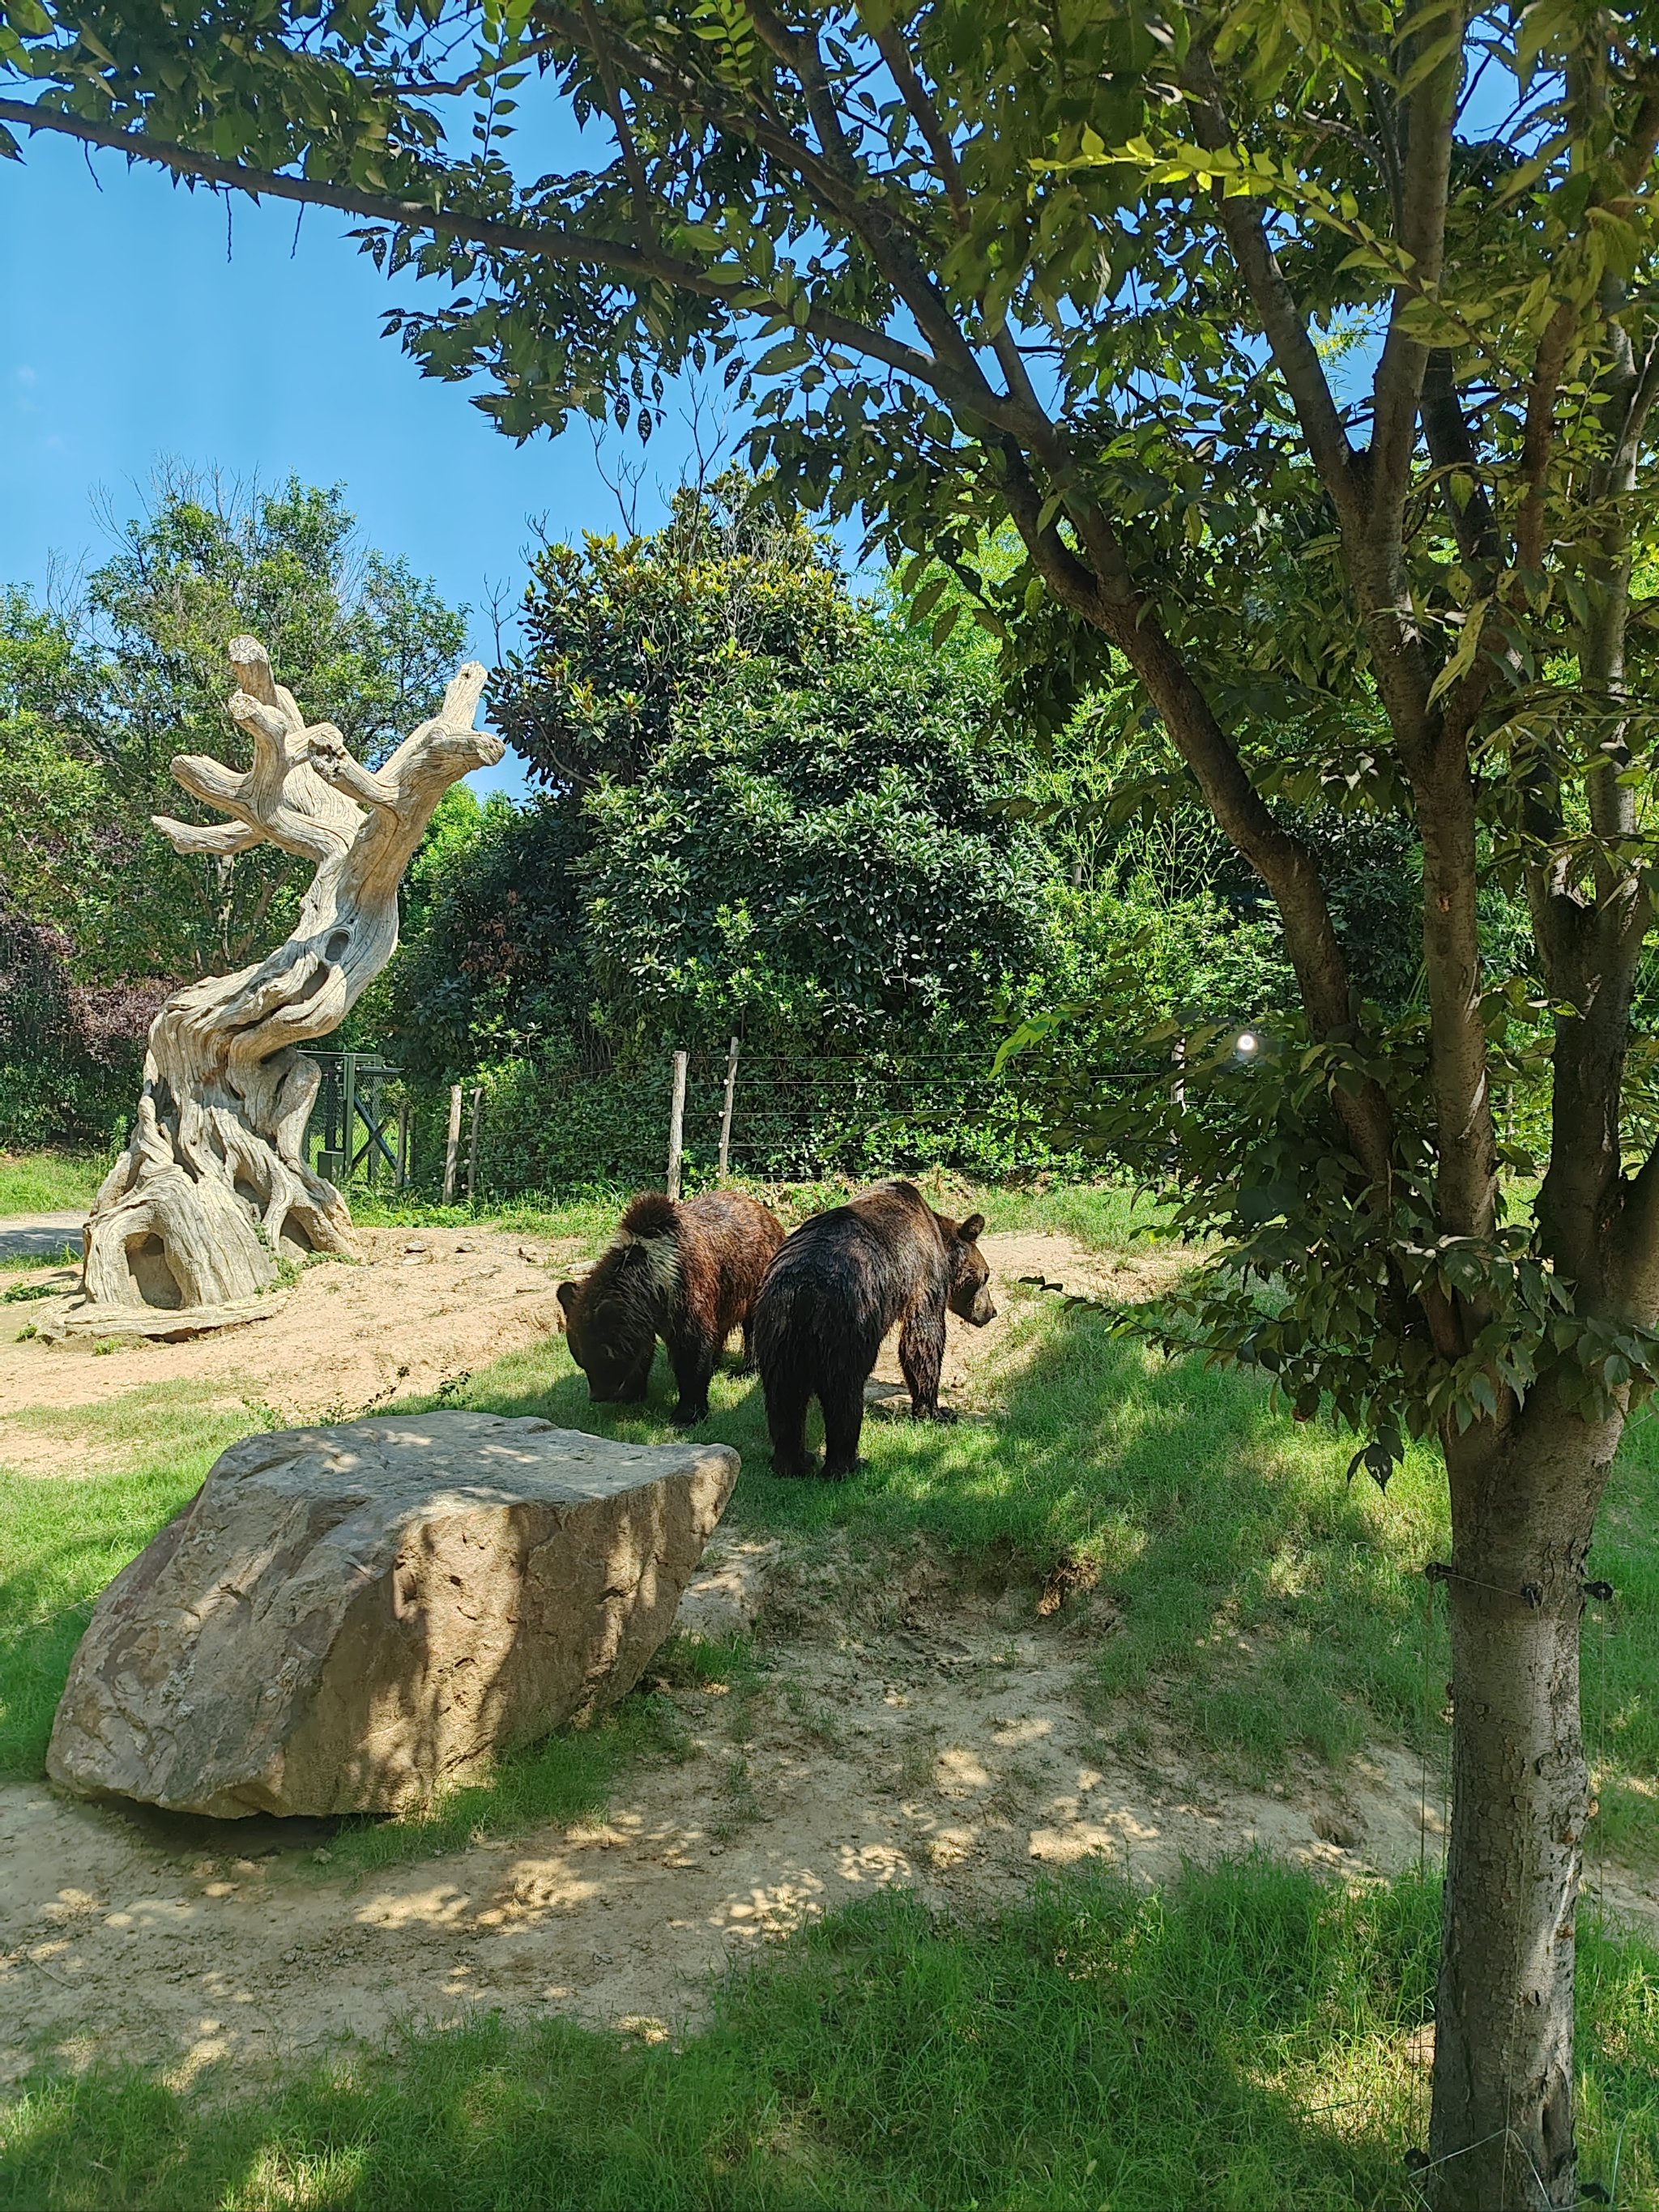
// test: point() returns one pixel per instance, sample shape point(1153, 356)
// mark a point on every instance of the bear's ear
point(970, 1230)
point(567, 1295)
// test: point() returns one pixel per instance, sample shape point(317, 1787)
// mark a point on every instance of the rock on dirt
point(344, 1618)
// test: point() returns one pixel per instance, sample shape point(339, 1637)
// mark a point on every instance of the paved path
point(38, 1236)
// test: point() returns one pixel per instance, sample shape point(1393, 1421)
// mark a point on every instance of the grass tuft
point(49, 1182)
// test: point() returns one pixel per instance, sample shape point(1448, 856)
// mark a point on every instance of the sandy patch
point(422, 1307)
point(977, 1361)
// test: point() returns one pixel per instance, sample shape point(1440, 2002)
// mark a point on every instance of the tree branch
point(221, 838)
point(542, 241)
point(634, 167)
point(1283, 323)
point(891, 45)
point(1452, 448)
point(1430, 119)
point(326, 751)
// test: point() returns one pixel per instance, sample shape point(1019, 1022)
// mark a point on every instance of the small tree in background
point(622, 635)
point(97, 696)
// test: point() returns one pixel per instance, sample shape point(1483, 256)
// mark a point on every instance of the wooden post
point(726, 1113)
point(677, 1126)
point(454, 1145)
point(472, 1142)
point(401, 1181)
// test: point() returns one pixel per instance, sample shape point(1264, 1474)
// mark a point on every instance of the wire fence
point(686, 1119)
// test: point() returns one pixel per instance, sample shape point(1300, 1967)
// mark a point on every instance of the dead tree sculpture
point(214, 1188)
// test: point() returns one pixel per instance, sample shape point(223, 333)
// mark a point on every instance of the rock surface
point(345, 1618)
point(726, 1596)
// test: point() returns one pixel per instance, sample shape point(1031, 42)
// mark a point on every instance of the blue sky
point(128, 336)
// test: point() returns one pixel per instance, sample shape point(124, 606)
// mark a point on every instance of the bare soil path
point(42, 1236)
point(946, 1745)
point(422, 1306)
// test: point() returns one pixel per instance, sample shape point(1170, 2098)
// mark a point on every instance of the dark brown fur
point(835, 1287)
point(687, 1273)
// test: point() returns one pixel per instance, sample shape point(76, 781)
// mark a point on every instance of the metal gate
point(355, 1128)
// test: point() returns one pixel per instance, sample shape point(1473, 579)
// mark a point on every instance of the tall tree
point(975, 260)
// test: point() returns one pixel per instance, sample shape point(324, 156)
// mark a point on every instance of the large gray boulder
point(345, 1618)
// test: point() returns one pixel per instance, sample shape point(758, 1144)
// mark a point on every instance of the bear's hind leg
point(843, 1422)
point(692, 1357)
point(786, 1401)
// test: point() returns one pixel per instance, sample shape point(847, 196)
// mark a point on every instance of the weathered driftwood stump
point(213, 1188)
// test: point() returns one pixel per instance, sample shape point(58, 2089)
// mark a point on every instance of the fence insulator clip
point(1437, 1571)
point(1534, 1593)
point(1598, 1590)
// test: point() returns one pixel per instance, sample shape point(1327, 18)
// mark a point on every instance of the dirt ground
point(944, 1747)
point(908, 1730)
point(423, 1306)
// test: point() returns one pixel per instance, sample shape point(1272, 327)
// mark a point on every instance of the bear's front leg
point(692, 1357)
point(921, 1354)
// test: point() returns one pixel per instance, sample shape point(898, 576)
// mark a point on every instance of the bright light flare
point(1247, 1042)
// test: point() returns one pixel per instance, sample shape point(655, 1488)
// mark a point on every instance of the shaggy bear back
point(687, 1273)
point(839, 1285)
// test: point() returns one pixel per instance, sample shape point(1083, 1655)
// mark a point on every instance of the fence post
point(472, 1142)
point(348, 1110)
point(454, 1144)
point(400, 1182)
point(726, 1114)
point(677, 1126)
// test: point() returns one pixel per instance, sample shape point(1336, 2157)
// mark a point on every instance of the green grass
point(592, 1216)
point(1620, 1665)
point(564, 1778)
point(1268, 1604)
point(1215, 1524)
point(1103, 1214)
point(62, 1537)
point(1238, 2043)
point(49, 1182)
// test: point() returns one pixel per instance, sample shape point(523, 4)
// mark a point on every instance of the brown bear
point(687, 1273)
point(834, 1289)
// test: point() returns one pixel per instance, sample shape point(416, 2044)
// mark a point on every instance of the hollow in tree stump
point(214, 1188)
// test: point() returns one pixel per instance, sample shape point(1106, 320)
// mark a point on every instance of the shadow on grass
point(1095, 2046)
point(1240, 2042)
point(1270, 1601)
point(62, 1537)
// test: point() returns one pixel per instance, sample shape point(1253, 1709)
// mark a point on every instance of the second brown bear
point(884, 1260)
point(686, 1272)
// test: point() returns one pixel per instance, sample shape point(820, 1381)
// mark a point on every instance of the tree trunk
point(213, 1188)
point(1501, 2135)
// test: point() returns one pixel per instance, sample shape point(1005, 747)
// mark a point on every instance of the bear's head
point(611, 1335)
point(970, 1294)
